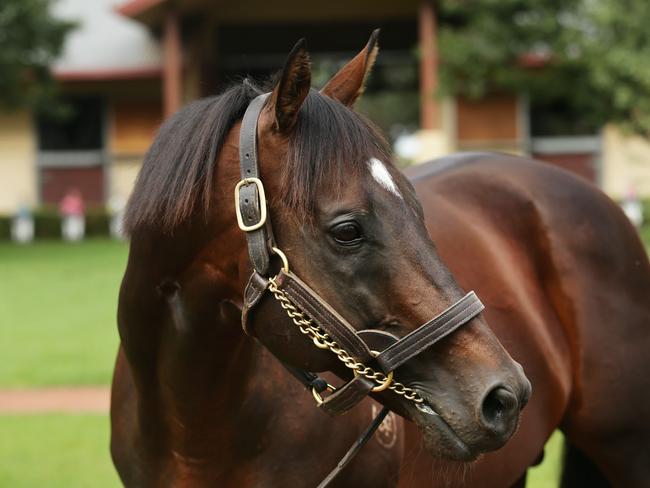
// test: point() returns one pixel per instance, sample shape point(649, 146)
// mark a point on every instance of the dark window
point(391, 99)
point(78, 128)
point(560, 117)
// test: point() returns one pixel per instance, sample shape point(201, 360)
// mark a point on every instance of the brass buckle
point(317, 396)
point(262, 198)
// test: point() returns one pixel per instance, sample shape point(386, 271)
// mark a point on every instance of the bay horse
point(198, 402)
point(566, 279)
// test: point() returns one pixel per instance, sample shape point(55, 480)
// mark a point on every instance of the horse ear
point(292, 89)
point(348, 84)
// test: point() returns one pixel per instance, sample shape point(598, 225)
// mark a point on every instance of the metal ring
point(285, 261)
point(386, 383)
point(317, 396)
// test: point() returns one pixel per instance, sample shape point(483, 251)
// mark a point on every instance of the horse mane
point(175, 181)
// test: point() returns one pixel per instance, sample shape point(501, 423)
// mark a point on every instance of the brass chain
point(322, 340)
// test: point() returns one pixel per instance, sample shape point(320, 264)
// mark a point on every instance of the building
point(133, 62)
point(110, 75)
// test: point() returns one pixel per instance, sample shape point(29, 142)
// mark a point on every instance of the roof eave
point(149, 12)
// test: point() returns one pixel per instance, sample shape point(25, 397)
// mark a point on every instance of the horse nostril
point(500, 410)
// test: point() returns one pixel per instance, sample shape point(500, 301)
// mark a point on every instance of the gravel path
point(55, 400)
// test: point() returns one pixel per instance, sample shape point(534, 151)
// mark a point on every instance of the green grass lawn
point(547, 474)
point(71, 451)
point(57, 312)
point(645, 236)
point(55, 451)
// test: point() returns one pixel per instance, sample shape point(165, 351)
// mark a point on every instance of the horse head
point(350, 225)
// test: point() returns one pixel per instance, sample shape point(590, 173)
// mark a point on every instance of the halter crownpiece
point(314, 317)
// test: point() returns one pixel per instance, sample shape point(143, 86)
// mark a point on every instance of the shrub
point(47, 223)
point(97, 222)
point(5, 227)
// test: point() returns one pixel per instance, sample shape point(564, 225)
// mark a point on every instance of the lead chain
point(322, 340)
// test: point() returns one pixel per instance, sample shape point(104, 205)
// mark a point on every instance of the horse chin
point(440, 439)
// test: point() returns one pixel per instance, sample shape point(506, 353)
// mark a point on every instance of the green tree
point(592, 54)
point(30, 39)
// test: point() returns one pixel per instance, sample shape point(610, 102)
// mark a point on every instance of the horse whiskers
point(449, 473)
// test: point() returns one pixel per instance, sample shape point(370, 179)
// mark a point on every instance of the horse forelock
point(330, 146)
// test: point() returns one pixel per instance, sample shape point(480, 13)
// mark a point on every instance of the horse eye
point(347, 233)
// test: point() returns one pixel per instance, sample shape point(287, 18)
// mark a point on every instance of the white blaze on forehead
point(382, 176)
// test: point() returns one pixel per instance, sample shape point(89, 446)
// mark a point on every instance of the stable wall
point(626, 164)
point(134, 124)
point(123, 172)
point(494, 123)
point(17, 161)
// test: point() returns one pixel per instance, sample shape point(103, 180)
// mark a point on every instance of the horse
point(197, 401)
point(565, 279)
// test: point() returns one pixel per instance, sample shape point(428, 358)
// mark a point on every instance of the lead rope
point(322, 340)
point(361, 441)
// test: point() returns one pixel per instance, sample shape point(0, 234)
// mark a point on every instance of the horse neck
point(180, 324)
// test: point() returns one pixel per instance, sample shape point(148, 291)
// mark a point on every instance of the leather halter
point(253, 219)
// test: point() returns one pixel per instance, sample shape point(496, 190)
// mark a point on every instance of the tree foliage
point(30, 39)
point(592, 54)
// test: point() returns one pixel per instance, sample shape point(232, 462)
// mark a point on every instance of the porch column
point(172, 64)
point(429, 109)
